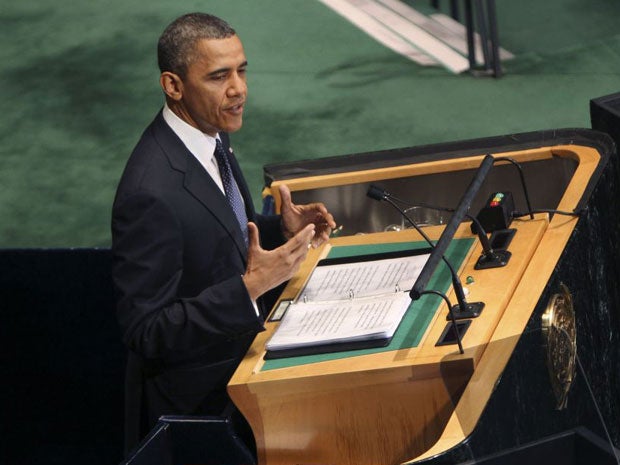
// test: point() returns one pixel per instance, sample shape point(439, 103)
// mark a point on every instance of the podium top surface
point(254, 370)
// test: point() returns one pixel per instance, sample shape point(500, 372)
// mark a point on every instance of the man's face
point(214, 89)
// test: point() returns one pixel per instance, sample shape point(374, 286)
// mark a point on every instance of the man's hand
point(297, 217)
point(268, 268)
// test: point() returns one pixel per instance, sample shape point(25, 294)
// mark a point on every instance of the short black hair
point(175, 49)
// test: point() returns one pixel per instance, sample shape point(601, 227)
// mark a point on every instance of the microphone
point(463, 309)
point(376, 193)
point(489, 259)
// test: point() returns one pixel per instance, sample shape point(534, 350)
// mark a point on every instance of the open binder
point(349, 303)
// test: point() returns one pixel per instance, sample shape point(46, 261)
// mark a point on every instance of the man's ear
point(172, 85)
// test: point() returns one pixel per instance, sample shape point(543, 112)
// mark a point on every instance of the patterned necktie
point(231, 189)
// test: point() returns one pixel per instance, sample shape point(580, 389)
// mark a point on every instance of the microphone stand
point(490, 258)
point(463, 309)
point(456, 284)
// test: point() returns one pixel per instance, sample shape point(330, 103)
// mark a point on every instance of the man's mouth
point(236, 109)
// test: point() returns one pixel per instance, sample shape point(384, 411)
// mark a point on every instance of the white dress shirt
point(201, 145)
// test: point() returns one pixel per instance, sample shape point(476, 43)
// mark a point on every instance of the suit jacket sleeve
point(167, 310)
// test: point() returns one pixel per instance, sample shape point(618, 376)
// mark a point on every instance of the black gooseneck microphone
point(376, 193)
point(490, 258)
point(463, 309)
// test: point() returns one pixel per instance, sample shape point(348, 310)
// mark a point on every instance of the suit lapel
point(198, 182)
point(203, 188)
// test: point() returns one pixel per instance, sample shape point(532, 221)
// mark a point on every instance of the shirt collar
point(201, 145)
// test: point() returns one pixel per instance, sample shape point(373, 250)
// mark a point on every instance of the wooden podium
point(420, 401)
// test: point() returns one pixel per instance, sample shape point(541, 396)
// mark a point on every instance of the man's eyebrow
point(226, 70)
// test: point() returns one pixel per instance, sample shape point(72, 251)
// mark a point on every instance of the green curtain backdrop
point(79, 82)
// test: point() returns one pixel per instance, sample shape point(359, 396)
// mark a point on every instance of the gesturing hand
point(297, 217)
point(267, 269)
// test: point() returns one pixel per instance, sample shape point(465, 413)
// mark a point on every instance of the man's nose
point(238, 85)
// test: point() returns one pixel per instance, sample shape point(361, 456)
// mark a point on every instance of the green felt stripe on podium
point(420, 312)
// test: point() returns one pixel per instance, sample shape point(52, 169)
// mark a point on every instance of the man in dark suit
point(191, 257)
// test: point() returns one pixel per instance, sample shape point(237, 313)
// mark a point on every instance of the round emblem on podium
point(560, 337)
